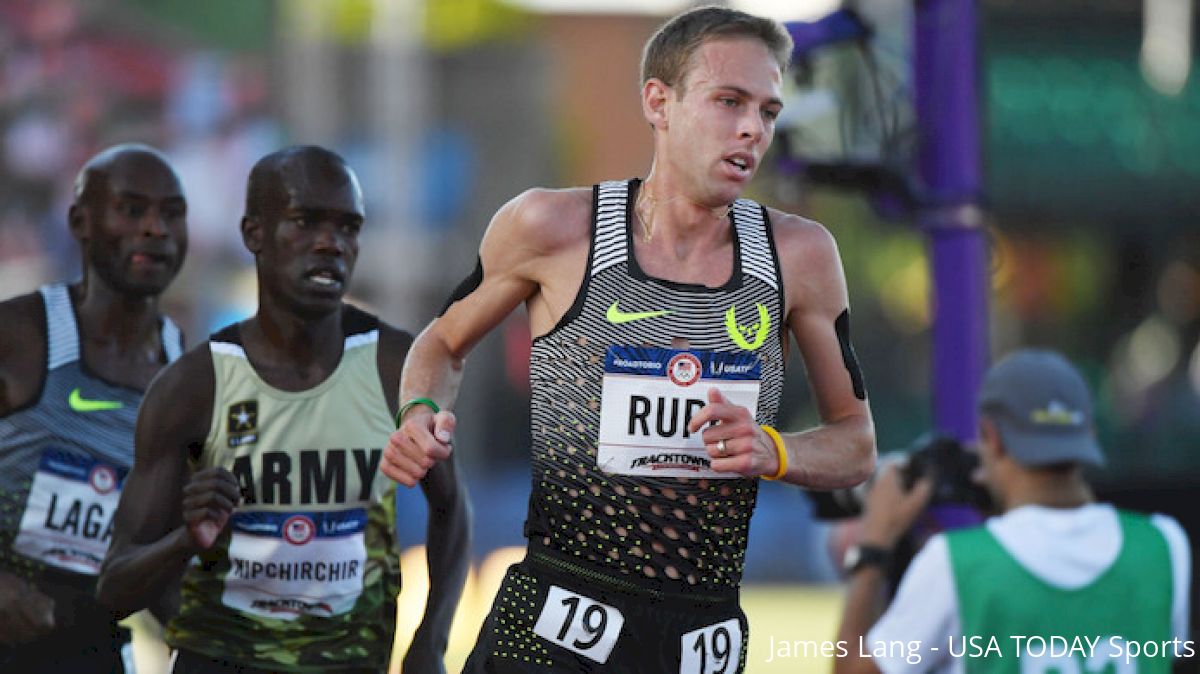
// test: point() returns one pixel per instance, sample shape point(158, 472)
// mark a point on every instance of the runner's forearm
point(864, 605)
point(833, 456)
point(135, 576)
point(431, 371)
point(448, 551)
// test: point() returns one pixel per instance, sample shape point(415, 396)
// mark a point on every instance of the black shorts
point(86, 638)
point(553, 616)
point(79, 651)
point(190, 662)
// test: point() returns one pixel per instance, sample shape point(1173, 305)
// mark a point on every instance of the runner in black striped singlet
point(661, 310)
point(74, 361)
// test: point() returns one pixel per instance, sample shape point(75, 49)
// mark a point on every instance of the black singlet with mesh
point(665, 533)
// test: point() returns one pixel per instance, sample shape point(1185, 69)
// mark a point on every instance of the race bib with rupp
point(650, 395)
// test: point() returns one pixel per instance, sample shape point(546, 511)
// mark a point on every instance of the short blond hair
point(668, 52)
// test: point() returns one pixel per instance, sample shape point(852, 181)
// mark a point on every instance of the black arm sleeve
point(465, 287)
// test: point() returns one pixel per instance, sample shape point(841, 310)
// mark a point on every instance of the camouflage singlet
point(305, 577)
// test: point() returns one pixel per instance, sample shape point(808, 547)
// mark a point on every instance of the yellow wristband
point(780, 451)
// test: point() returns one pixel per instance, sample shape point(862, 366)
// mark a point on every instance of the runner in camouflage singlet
point(273, 432)
point(308, 572)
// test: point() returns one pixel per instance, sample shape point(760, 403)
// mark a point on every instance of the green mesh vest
point(998, 598)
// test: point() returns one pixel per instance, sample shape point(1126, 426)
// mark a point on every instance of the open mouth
point(740, 162)
point(325, 278)
point(143, 258)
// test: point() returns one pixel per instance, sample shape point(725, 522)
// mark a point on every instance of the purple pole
point(949, 186)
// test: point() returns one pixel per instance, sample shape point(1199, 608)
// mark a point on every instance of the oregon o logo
point(684, 369)
point(299, 529)
point(103, 479)
point(748, 337)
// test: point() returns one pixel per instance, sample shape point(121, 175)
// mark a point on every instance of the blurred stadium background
point(447, 108)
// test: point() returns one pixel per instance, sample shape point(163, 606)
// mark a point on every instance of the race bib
point(579, 624)
point(650, 394)
point(716, 649)
point(68, 516)
point(287, 565)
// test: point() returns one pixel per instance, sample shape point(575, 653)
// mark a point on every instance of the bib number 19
point(716, 649)
point(579, 624)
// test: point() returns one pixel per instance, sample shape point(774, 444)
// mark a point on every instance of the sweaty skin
point(128, 215)
point(304, 213)
point(711, 127)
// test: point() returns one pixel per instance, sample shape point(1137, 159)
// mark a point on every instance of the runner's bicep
point(173, 417)
point(818, 317)
point(471, 317)
point(830, 360)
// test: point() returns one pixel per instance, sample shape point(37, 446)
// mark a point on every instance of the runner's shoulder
point(178, 403)
point(791, 229)
point(803, 244)
point(547, 219)
point(23, 314)
point(22, 350)
point(189, 377)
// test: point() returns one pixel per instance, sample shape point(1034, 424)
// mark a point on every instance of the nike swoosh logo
point(617, 317)
point(81, 404)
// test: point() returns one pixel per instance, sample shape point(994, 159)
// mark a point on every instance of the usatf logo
point(103, 479)
point(243, 423)
point(748, 337)
point(299, 529)
point(684, 369)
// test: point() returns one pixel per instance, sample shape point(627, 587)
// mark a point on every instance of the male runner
point(284, 531)
point(74, 360)
point(661, 311)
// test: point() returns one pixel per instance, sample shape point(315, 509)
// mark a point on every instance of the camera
point(953, 468)
point(958, 500)
point(951, 465)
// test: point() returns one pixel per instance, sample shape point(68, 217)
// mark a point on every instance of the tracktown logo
point(292, 606)
point(670, 461)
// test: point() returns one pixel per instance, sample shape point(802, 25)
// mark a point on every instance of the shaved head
point(277, 175)
point(92, 179)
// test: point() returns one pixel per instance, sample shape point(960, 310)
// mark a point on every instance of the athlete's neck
point(109, 317)
point(291, 352)
point(669, 209)
point(689, 245)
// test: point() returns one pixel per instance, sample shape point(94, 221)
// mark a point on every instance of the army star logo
point(242, 423)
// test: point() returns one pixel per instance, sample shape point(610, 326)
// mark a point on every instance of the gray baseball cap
point(1042, 408)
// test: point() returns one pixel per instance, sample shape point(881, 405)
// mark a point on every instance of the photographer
point(1056, 576)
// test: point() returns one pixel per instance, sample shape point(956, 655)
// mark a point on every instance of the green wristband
point(414, 402)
